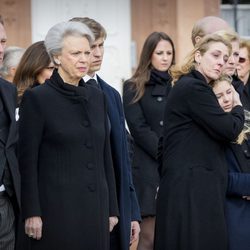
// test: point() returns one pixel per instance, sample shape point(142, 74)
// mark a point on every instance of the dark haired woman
point(144, 102)
point(34, 68)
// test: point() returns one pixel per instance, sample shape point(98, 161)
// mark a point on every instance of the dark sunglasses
point(242, 60)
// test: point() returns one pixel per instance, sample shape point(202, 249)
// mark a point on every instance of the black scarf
point(160, 77)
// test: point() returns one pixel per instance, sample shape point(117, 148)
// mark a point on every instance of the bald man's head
point(208, 25)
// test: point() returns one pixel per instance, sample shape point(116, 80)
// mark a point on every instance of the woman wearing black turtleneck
point(68, 186)
point(144, 101)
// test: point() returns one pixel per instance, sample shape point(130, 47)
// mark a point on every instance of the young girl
point(238, 158)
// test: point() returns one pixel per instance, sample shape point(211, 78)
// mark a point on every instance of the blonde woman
point(232, 62)
point(190, 203)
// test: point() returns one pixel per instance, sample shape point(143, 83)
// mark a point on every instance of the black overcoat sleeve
point(142, 133)
point(238, 184)
point(31, 124)
point(109, 169)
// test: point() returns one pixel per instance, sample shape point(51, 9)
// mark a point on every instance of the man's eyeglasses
point(242, 60)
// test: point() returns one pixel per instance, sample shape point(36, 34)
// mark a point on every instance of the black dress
point(66, 167)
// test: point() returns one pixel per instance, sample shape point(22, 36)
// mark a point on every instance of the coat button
point(161, 123)
point(159, 99)
point(91, 187)
point(90, 165)
point(85, 123)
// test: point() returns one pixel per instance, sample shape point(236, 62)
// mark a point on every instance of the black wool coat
point(66, 165)
point(190, 203)
point(145, 122)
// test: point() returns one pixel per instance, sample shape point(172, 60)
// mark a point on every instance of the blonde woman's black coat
point(66, 167)
point(190, 204)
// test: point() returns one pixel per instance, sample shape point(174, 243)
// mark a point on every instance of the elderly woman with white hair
point(11, 59)
point(68, 185)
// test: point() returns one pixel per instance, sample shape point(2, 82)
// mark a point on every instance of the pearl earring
point(57, 62)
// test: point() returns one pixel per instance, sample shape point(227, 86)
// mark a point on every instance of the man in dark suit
point(127, 230)
point(9, 175)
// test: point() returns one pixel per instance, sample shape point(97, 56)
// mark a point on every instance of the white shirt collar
point(87, 77)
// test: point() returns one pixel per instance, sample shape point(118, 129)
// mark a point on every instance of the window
point(242, 16)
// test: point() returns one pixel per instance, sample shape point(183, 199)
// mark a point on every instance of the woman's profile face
point(224, 93)
point(243, 66)
point(211, 63)
point(162, 56)
point(231, 65)
point(45, 73)
point(74, 59)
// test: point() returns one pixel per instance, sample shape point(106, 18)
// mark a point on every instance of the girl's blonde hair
point(222, 77)
point(246, 130)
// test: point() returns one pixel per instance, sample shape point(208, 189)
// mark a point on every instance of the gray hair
point(56, 35)
point(12, 57)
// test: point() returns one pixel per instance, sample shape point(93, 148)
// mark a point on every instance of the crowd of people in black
point(74, 175)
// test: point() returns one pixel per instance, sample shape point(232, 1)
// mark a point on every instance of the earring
point(57, 62)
